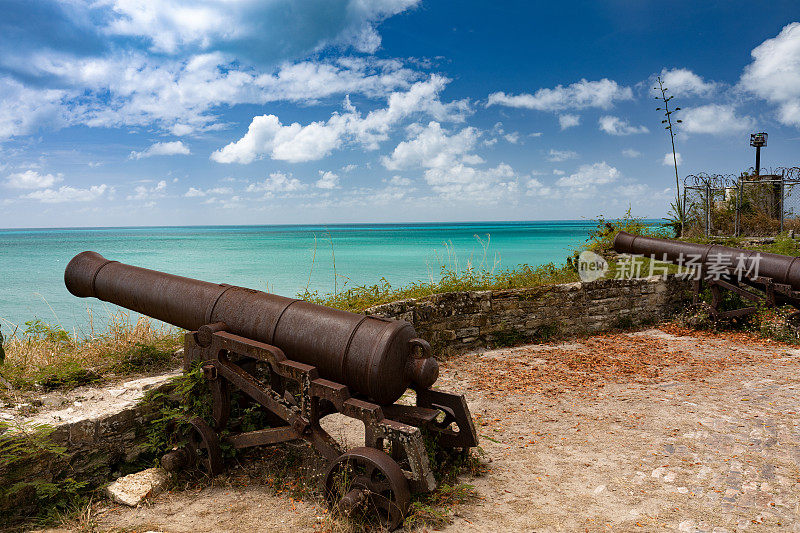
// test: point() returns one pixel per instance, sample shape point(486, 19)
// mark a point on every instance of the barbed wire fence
point(753, 205)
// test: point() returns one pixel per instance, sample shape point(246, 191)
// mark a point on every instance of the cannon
point(759, 277)
point(298, 362)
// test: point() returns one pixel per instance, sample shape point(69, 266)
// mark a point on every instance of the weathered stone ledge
point(101, 430)
point(461, 321)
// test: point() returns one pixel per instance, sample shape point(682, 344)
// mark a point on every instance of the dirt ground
point(658, 430)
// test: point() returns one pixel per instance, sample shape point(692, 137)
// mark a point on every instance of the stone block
point(134, 488)
point(448, 335)
point(116, 423)
point(82, 432)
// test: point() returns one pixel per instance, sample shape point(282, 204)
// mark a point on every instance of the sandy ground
point(660, 430)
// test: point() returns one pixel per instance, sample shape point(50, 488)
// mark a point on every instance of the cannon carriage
point(299, 363)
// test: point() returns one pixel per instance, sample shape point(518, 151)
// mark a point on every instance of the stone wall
point(460, 321)
point(87, 445)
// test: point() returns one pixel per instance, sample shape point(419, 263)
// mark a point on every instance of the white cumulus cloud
point(30, 179)
point(539, 189)
point(431, 146)
point(68, 194)
point(449, 163)
point(618, 126)
point(194, 192)
point(588, 175)
point(602, 94)
point(277, 182)
point(684, 82)
point(179, 95)
point(267, 136)
point(557, 156)
point(774, 74)
point(162, 148)
point(568, 120)
point(715, 119)
point(460, 181)
point(277, 26)
point(670, 161)
point(327, 180)
point(143, 192)
point(630, 152)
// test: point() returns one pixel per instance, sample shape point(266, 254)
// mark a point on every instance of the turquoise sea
point(280, 259)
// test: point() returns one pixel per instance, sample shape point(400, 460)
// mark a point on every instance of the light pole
point(758, 140)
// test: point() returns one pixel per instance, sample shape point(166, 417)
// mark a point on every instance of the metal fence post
point(783, 191)
point(737, 228)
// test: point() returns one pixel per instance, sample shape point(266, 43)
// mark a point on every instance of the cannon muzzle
point(377, 357)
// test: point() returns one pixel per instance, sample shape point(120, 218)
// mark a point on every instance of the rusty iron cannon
point(299, 362)
point(759, 277)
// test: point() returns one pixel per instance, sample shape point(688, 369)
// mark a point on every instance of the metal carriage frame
point(391, 465)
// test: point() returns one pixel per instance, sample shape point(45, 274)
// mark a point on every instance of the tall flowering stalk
point(678, 206)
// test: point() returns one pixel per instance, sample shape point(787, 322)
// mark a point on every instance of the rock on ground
point(134, 488)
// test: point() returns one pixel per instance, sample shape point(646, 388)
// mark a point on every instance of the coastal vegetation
point(357, 299)
point(42, 356)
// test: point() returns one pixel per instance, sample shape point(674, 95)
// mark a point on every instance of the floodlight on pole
point(757, 140)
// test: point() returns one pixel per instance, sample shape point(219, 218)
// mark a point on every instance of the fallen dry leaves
point(619, 357)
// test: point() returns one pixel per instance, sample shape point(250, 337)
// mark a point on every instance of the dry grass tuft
point(46, 355)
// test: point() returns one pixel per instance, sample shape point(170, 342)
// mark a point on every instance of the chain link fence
point(753, 205)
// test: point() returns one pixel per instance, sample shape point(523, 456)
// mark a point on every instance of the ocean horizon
point(283, 259)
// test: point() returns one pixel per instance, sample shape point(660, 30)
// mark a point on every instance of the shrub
point(601, 239)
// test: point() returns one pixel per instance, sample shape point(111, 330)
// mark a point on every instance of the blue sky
point(130, 112)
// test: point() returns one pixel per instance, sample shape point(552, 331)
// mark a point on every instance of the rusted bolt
point(210, 372)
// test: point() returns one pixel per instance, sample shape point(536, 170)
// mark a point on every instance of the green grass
point(360, 298)
point(601, 239)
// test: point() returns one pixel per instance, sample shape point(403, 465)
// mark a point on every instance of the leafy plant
point(33, 488)
point(2, 350)
point(601, 239)
point(143, 357)
point(66, 375)
point(46, 354)
point(188, 397)
point(37, 330)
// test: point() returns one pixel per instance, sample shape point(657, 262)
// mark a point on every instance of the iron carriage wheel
point(200, 450)
point(368, 483)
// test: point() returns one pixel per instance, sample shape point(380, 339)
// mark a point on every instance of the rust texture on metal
point(371, 355)
point(780, 269)
point(300, 363)
point(759, 277)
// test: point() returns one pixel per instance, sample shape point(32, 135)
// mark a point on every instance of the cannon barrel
point(373, 356)
point(725, 259)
